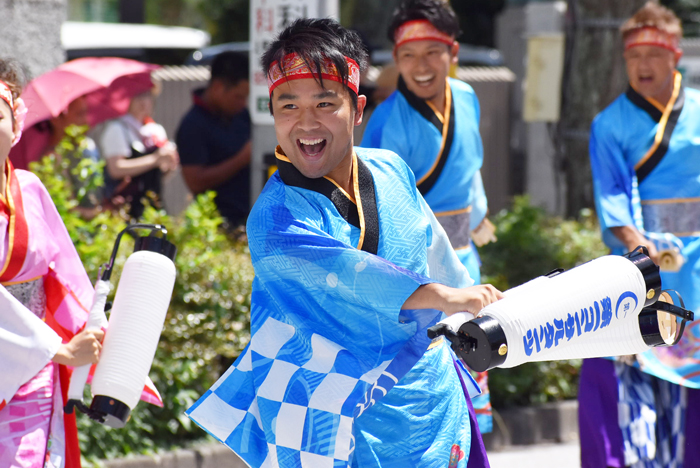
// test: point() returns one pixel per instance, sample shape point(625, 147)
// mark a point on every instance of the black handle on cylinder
point(154, 244)
point(481, 342)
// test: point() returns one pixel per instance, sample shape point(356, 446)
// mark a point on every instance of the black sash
point(652, 161)
point(426, 111)
point(348, 210)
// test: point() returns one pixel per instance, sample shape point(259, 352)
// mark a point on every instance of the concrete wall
point(493, 87)
point(31, 33)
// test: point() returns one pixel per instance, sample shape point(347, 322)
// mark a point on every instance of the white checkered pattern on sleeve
point(289, 401)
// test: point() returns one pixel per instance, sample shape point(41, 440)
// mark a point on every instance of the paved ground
point(537, 456)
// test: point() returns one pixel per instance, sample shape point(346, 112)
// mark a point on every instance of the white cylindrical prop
point(590, 311)
point(135, 324)
point(559, 318)
point(96, 320)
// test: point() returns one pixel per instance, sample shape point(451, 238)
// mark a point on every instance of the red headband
point(420, 30)
point(652, 36)
point(294, 67)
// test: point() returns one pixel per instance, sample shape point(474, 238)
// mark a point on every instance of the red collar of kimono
point(18, 232)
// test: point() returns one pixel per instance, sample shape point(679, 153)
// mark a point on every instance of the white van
point(163, 45)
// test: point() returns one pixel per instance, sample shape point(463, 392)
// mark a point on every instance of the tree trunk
point(594, 75)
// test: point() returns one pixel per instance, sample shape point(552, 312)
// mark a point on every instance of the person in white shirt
point(137, 152)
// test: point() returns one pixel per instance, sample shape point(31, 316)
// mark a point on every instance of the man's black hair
point(316, 40)
point(438, 12)
point(230, 67)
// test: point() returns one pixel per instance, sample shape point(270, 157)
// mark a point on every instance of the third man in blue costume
point(432, 122)
point(645, 158)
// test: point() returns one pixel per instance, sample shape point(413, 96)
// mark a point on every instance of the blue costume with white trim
point(397, 125)
point(666, 202)
point(336, 374)
point(645, 161)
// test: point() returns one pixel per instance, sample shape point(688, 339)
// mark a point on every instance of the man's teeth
point(311, 142)
point(423, 78)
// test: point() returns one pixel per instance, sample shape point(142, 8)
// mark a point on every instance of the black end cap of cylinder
point(156, 244)
point(649, 327)
point(113, 413)
point(490, 343)
point(649, 270)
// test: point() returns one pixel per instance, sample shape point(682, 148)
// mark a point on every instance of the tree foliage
point(207, 324)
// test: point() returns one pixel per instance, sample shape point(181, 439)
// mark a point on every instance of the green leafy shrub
point(207, 324)
point(531, 244)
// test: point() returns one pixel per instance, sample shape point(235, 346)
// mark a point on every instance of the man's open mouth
point(311, 147)
point(424, 80)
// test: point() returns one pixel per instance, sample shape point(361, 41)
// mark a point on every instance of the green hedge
point(530, 244)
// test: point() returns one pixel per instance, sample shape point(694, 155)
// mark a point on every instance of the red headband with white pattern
point(652, 36)
point(420, 30)
point(294, 67)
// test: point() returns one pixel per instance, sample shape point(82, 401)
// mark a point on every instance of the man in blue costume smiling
point(432, 122)
point(645, 158)
point(351, 268)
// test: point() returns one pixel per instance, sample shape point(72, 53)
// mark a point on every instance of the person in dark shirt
point(214, 138)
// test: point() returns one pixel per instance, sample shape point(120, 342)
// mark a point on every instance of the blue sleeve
point(613, 180)
point(191, 142)
point(477, 107)
point(479, 201)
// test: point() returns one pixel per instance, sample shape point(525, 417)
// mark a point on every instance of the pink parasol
point(108, 84)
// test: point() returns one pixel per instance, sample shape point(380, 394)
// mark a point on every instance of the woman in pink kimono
point(43, 293)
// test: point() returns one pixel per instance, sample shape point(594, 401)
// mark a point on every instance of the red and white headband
point(19, 110)
point(652, 36)
point(420, 30)
point(294, 67)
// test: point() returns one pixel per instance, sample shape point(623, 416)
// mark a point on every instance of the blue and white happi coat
point(446, 158)
point(663, 202)
point(336, 374)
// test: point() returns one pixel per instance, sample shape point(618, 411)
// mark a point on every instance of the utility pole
point(594, 75)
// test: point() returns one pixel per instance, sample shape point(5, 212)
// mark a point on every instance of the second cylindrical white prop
point(589, 311)
point(135, 324)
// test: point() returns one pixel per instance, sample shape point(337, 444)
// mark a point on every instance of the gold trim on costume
point(436, 342)
point(12, 220)
point(439, 115)
point(664, 120)
point(670, 200)
point(356, 189)
point(445, 128)
point(341, 189)
point(10, 283)
point(280, 155)
point(454, 212)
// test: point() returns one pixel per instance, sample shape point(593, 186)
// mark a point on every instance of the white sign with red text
point(267, 19)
